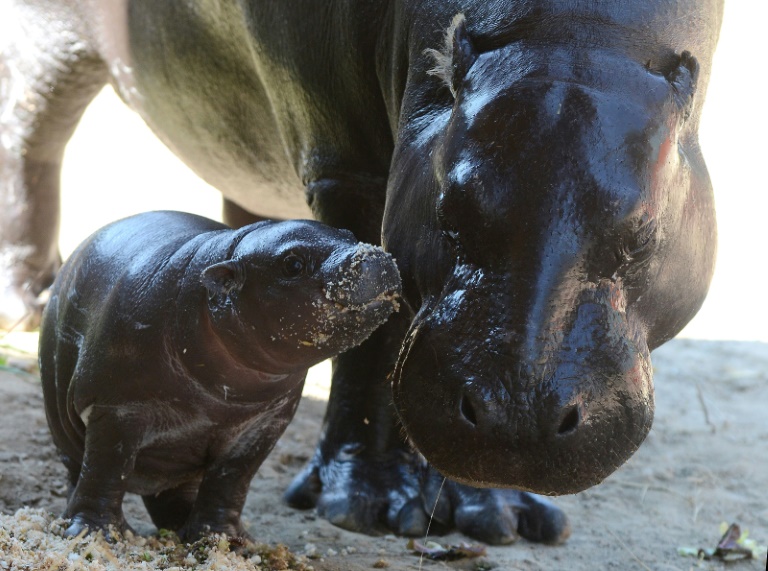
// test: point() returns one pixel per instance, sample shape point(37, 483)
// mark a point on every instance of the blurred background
point(116, 167)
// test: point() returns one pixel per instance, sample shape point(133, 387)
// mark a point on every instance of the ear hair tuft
point(456, 56)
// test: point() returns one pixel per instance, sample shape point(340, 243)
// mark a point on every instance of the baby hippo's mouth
point(387, 301)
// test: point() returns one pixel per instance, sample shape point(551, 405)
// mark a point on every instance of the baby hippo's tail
point(58, 355)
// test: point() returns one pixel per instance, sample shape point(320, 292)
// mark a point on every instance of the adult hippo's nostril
point(467, 410)
point(570, 420)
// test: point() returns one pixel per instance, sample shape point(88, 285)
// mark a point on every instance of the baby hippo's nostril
point(468, 411)
point(570, 421)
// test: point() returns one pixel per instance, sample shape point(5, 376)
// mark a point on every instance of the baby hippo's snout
point(362, 276)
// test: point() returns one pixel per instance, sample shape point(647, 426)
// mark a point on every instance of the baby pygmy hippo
point(173, 351)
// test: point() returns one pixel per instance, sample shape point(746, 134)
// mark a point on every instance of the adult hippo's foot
point(390, 496)
point(496, 516)
point(363, 472)
point(364, 477)
point(358, 493)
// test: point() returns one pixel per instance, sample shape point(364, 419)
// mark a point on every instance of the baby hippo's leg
point(96, 502)
point(225, 484)
point(219, 504)
point(221, 496)
point(170, 509)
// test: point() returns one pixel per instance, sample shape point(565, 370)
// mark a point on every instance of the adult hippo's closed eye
point(537, 177)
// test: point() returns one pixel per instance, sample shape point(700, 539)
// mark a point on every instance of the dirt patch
point(705, 462)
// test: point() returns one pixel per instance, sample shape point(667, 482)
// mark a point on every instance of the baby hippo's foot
point(194, 530)
point(83, 524)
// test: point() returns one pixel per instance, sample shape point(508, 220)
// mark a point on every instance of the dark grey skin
point(535, 171)
point(173, 352)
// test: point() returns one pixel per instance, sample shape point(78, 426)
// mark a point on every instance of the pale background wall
point(116, 167)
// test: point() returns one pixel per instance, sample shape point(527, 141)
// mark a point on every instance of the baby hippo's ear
point(221, 278)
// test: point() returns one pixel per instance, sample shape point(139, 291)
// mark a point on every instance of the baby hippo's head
point(298, 292)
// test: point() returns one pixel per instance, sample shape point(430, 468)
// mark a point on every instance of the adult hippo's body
point(535, 171)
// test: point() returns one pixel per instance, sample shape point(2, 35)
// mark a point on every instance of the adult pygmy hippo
point(173, 352)
point(533, 165)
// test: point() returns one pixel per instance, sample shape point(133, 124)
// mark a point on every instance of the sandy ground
point(705, 461)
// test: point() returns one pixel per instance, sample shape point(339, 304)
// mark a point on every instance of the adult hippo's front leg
point(365, 476)
point(363, 472)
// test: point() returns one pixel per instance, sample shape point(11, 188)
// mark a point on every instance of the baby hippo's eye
point(293, 265)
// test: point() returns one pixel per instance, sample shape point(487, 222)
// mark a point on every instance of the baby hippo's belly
point(179, 453)
point(162, 468)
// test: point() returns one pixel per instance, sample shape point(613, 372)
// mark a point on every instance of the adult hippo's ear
point(683, 78)
point(452, 63)
point(222, 278)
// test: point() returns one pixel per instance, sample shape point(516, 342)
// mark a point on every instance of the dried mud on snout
point(705, 462)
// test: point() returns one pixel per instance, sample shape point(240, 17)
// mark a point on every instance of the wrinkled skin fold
point(532, 165)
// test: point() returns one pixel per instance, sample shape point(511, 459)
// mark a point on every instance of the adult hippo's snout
point(554, 408)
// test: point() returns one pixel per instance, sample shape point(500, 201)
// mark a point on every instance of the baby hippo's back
point(130, 253)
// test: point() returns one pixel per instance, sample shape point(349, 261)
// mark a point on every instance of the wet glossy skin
point(173, 352)
point(547, 204)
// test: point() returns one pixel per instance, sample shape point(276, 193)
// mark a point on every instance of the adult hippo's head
point(553, 220)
